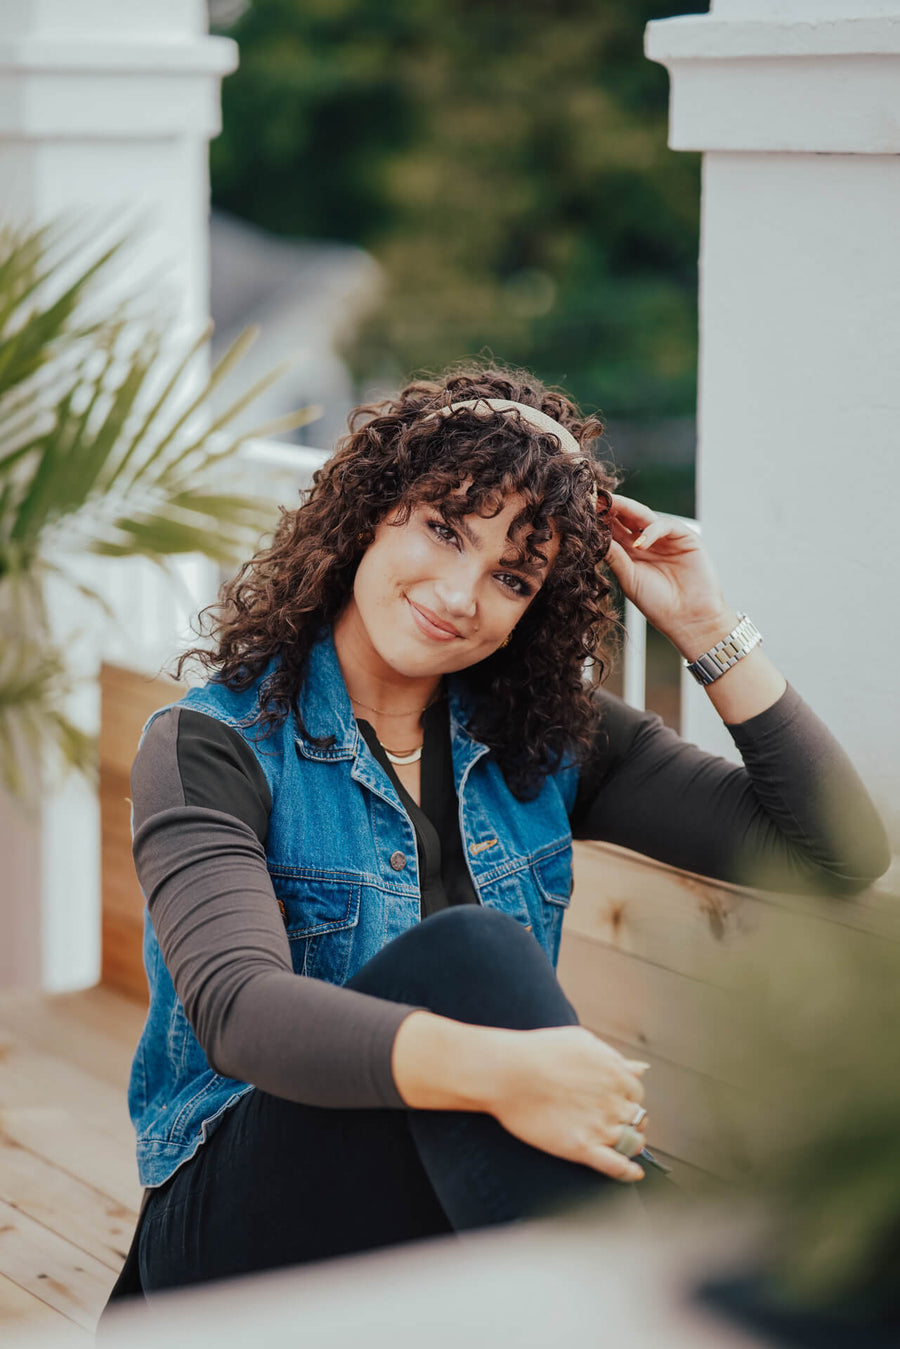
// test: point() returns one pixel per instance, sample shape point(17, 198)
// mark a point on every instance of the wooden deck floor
point(69, 1191)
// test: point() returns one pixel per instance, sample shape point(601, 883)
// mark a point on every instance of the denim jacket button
point(398, 861)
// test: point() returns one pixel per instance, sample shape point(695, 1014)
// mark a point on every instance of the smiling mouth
point(430, 626)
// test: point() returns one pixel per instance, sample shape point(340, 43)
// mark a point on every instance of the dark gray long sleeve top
point(795, 817)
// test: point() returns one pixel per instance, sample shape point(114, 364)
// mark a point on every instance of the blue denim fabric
point(335, 831)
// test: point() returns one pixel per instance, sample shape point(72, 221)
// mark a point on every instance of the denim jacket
point(341, 853)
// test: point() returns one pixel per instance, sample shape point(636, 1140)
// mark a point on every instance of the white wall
point(106, 109)
point(797, 108)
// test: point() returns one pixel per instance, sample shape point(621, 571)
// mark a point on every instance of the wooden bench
point(642, 959)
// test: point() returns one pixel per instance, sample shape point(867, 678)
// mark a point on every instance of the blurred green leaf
point(813, 1043)
point(96, 463)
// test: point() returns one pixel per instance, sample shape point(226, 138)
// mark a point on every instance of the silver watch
point(713, 663)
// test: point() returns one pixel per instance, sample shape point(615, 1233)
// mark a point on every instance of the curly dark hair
point(532, 704)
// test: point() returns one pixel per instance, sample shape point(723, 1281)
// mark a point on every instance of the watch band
point(713, 663)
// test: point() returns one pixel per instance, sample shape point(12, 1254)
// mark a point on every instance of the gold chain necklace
point(413, 711)
point(409, 756)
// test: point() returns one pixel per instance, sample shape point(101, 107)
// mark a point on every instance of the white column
point(106, 109)
point(797, 110)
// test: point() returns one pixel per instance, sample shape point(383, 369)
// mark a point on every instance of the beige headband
point(541, 421)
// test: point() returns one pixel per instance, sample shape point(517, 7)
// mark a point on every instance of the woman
point(396, 728)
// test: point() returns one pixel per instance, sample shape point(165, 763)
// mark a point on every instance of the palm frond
point(99, 454)
point(234, 353)
point(33, 683)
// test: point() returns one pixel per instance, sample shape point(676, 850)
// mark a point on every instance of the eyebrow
point(529, 567)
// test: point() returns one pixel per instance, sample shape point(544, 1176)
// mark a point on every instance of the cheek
point(390, 565)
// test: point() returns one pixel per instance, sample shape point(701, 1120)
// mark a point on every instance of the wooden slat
point(52, 1269)
point(77, 1212)
point(122, 924)
point(67, 1142)
point(122, 965)
point(685, 923)
point(647, 1006)
point(654, 1014)
point(683, 1107)
point(30, 1077)
point(69, 1117)
point(127, 699)
point(95, 1030)
point(21, 1310)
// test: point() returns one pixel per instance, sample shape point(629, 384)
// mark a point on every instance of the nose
point(456, 594)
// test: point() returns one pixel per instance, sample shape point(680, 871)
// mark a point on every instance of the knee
point(485, 967)
point(472, 964)
point(471, 935)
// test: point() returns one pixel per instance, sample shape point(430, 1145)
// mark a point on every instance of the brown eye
point(515, 584)
point(447, 536)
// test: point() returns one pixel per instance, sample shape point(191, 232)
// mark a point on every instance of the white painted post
point(106, 109)
point(797, 110)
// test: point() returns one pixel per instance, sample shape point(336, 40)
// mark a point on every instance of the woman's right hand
point(566, 1091)
point(559, 1088)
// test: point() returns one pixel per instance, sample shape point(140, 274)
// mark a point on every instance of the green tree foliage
point(506, 164)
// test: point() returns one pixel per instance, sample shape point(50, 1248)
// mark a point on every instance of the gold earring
point(506, 640)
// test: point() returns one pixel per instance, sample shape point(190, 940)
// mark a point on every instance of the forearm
point(751, 686)
point(795, 817)
point(223, 941)
point(441, 1064)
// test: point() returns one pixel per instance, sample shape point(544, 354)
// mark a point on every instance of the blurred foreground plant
point(107, 447)
point(814, 1130)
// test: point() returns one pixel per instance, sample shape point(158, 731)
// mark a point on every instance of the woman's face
point(433, 598)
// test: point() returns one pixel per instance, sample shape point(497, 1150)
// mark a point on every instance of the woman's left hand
point(663, 568)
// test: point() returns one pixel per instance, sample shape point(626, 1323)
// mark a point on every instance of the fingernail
point(638, 1066)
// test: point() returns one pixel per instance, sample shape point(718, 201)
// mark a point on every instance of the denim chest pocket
point(320, 911)
point(553, 877)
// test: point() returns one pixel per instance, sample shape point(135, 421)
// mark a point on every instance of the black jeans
point(280, 1183)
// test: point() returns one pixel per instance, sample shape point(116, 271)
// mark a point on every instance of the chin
point(404, 656)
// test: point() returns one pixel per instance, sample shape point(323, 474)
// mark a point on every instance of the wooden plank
point(647, 1006)
point(629, 1010)
point(127, 699)
point(21, 1310)
point(58, 1201)
point(95, 1030)
point(689, 1180)
point(68, 1143)
point(683, 1112)
point(29, 1077)
point(122, 963)
point(70, 1118)
point(52, 1269)
point(686, 923)
point(103, 1010)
